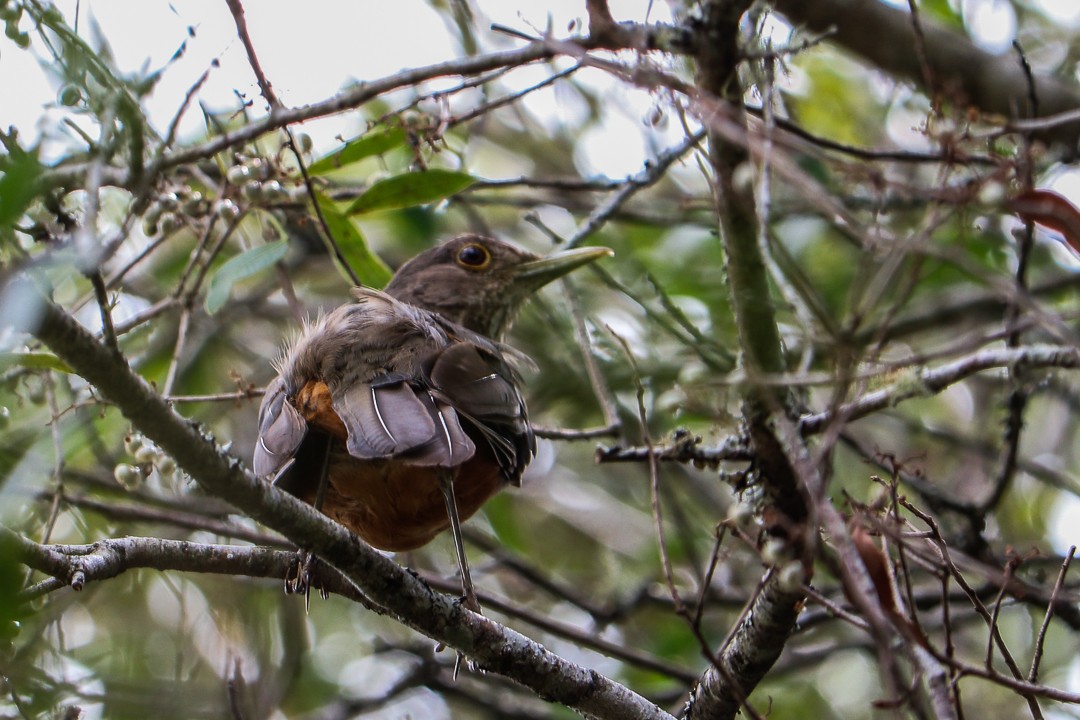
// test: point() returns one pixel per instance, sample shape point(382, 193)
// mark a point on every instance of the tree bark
point(960, 71)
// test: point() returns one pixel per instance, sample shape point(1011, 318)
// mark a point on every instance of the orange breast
point(391, 504)
point(396, 506)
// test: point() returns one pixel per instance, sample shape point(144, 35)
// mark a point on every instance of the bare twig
point(102, 295)
point(654, 478)
point(178, 349)
point(652, 173)
point(57, 493)
point(571, 434)
point(601, 390)
point(1036, 656)
point(930, 382)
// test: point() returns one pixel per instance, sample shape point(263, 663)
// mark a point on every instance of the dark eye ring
point(474, 256)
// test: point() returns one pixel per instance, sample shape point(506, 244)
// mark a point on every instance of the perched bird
point(400, 414)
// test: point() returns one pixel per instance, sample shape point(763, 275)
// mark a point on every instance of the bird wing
point(404, 383)
point(482, 388)
point(394, 416)
point(281, 431)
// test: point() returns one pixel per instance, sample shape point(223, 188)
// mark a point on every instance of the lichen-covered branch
point(755, 647)
point(923, 383)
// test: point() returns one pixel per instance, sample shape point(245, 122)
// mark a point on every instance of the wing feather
point(384, 418)
point(476, 382)
point(482, 389)
point(281, 431)
point(451, 445)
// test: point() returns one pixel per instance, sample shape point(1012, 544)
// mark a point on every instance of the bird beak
point(535, 274)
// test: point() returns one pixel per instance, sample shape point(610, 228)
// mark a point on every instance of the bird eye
point(474, 256)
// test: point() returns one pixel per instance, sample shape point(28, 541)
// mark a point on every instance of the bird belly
point(395, 506)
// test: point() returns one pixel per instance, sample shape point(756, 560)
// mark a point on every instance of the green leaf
point(18, 186)
point(12, 578)
point(417, 188)
point(244, 265)
point(34, 361)
point(942, 11)
point(374, 142)
point(368, 266)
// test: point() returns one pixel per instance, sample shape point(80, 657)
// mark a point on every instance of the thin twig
point(511, 98)
point(178, 349)
point(1040, 639)
point(57, 494)
point(714, 560)
point(942, 548)
point(234, 689)
point(108, 333)
point(653, 171)
point(242, 394)
point(573, 434)
point(601, 390)
point(654, 477)
point(920, 52)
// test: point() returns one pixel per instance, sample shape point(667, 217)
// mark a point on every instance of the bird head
point(480, 282)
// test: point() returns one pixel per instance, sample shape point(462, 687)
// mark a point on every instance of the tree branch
point(996, 84)
point(922, 383)
point(77, 565)
point(640, 37)
point(769, 620)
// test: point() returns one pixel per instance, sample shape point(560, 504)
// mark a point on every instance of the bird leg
point(305, 560)
point(446, 484)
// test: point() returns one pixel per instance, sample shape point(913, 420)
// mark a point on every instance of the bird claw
point(469, 601)
point(470, 664)
point(298, 580)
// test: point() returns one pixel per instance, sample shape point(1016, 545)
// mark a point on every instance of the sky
point(308, 57)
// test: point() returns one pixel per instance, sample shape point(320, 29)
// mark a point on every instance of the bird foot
point(299, 578)
point(469, 601)
point(470, 665)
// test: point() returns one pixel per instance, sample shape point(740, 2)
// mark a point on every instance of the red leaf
point(1051, 210)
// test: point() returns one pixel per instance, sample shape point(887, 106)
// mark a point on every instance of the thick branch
point(492, 646)
point(757, 643)
point(885, 37)
point(930, 382)
point(753, 649)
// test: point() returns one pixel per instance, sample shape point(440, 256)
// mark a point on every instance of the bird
point(400, 414)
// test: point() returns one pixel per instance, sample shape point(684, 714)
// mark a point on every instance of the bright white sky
point(308, 56)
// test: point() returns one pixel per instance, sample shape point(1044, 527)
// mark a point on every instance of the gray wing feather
point(384, 418)
point(450, 446)
point(475, 384)
point(281, 431)
point(482, 390)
